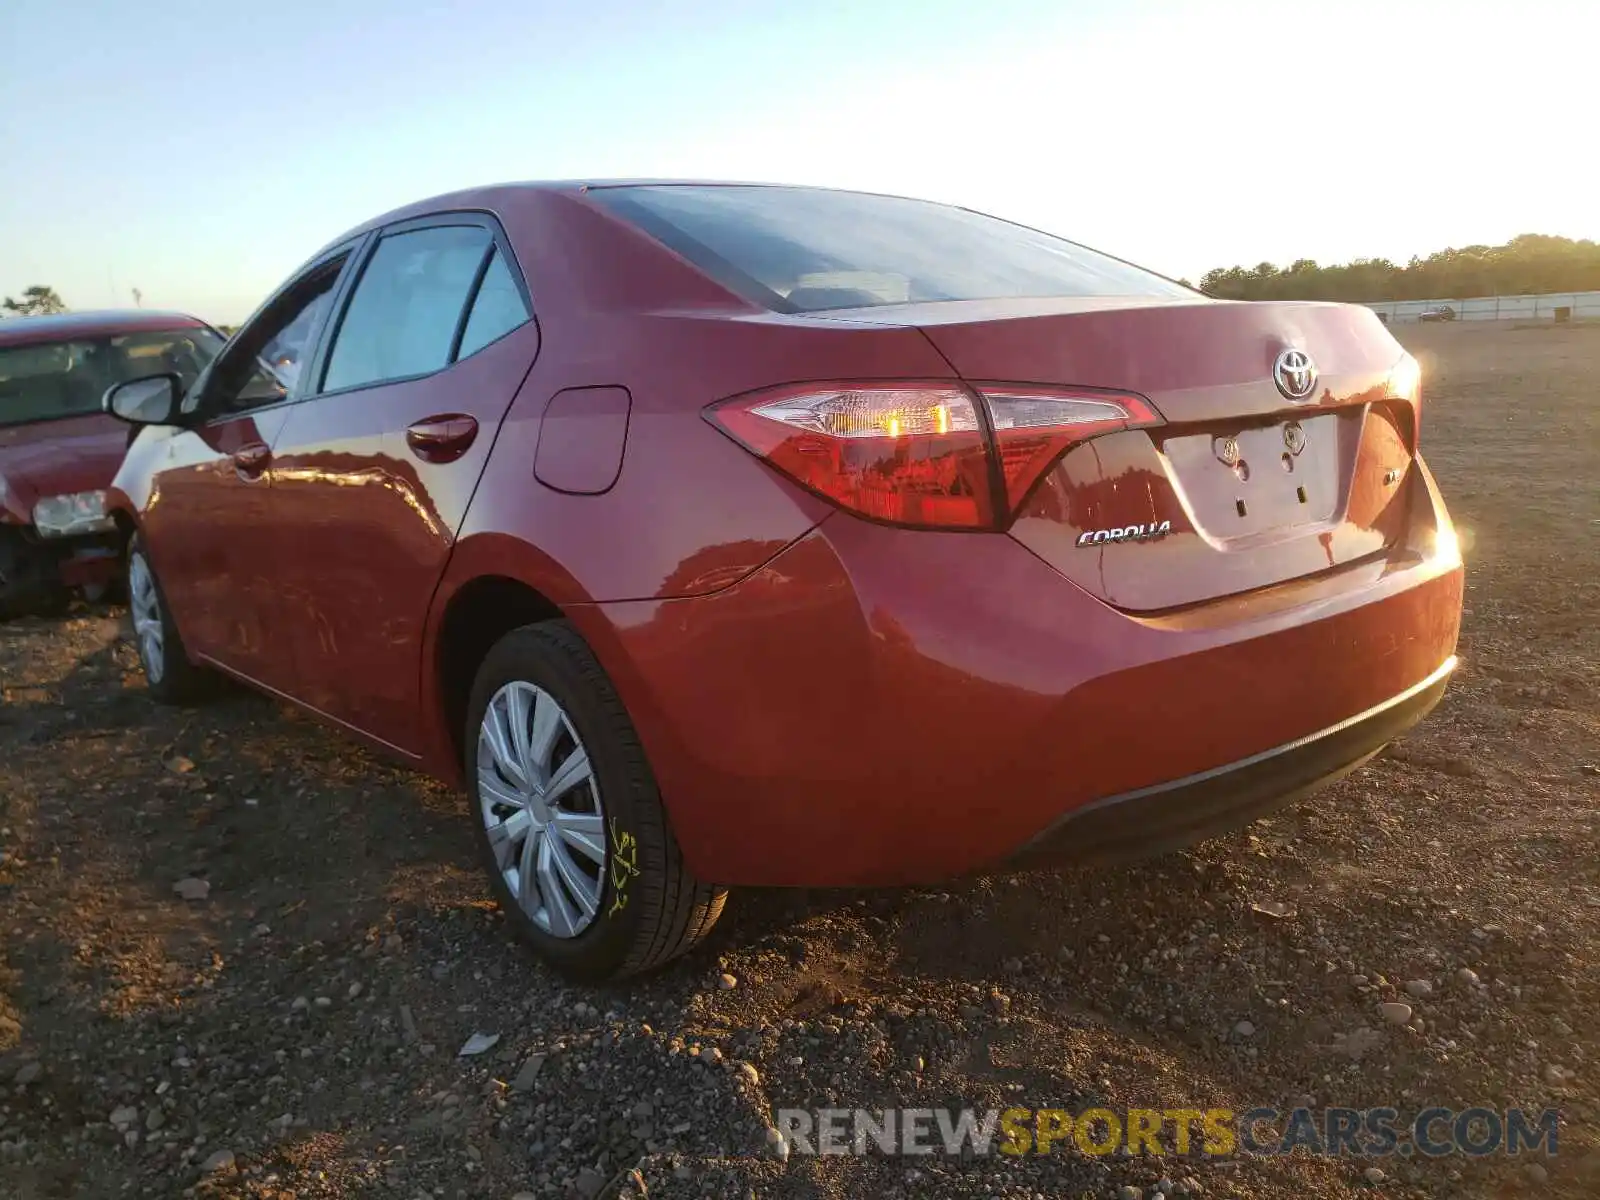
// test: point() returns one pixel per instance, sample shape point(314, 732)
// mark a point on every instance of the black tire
point(651, 909)
point(177, 680)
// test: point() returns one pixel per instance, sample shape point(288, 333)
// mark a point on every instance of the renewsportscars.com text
point(1336, 1132)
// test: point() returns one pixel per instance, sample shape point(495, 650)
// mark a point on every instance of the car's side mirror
point(148, 400)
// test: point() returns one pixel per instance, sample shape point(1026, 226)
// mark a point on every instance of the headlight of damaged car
point(69, 516)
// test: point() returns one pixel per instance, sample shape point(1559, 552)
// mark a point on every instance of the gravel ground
point(239, 957)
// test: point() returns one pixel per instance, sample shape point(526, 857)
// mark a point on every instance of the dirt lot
point(304, 1017)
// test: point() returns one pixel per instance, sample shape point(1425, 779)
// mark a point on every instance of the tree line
point(35, 301)
point(41, 300)
point(1527, 265)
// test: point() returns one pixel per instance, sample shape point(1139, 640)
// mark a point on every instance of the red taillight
point(911, 454)
point(1033, 427)
point(923, 454)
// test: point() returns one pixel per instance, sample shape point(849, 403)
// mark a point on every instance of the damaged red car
point(714, 535)
point(58, 450)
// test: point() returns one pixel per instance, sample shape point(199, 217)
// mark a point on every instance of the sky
point(201, 152)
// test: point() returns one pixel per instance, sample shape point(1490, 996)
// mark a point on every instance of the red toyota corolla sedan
point(728, 534)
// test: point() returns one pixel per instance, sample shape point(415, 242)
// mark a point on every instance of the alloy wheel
point(146, 604)
point(541, 809)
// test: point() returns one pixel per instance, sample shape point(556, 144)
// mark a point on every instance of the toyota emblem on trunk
point(1295, 374)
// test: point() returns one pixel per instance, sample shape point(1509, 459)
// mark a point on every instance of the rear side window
point(497, 309)
point(809, 250)
point(402, 318)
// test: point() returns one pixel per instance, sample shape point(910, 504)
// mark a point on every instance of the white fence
point(1576, 305)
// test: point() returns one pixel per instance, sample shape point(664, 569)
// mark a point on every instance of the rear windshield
point(808, 250)
point(47, 380)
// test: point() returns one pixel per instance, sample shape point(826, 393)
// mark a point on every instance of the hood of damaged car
point(51, 458)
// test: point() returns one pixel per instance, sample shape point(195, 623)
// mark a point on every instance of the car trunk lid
point(1244, 486)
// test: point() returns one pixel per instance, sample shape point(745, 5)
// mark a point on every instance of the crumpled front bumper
point(34, 569)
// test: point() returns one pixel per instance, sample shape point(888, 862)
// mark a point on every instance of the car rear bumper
point(883, 706)
point(1166, 816)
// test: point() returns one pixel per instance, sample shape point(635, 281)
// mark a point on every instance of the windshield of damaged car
point(49, 380)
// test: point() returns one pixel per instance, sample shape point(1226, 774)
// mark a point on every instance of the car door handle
point(443, 438)
point(252, 459)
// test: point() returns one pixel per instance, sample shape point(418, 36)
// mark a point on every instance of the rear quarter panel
point(690, 512)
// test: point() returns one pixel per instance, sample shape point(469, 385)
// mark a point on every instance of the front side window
point(49, 380)
point(809, 250)
point(264, 361)
point(402, 317)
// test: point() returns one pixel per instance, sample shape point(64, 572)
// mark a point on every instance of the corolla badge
point(1125, 533)
point(1295, 374)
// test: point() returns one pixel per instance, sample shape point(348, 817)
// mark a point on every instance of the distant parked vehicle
point(58, 450)
point(718, 535)
point(1439, 312)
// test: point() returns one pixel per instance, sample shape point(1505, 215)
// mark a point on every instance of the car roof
point(59, 327)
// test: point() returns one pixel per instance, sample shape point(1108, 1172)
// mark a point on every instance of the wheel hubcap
point(541, 808)
point(146, 606)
